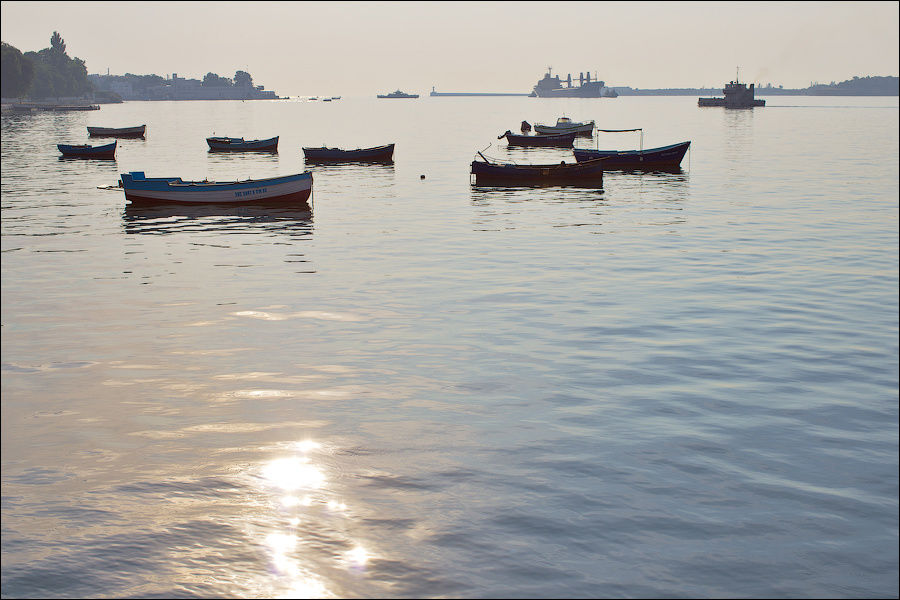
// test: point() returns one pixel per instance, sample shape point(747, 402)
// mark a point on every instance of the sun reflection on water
point(293, 473)
point(308, 535)
point(357, 557)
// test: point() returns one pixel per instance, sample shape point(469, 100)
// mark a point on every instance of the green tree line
point(44, 74)
point(241, 79)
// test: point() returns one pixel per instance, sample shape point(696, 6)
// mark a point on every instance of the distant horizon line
point(758, 85)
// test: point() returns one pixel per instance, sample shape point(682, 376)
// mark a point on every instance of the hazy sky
point(362, 48)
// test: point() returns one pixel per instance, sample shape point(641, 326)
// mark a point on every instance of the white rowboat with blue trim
point(287, 189)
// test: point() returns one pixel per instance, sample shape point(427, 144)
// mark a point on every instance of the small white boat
point(566, 125)
point(294, 189)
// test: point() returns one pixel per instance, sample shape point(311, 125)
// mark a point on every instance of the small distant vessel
point(737, 95)
point(651, 158)
point(560, 140)
point(294, 189)
point(588, 173)
point(323, 154)
point(566, 125)
point(229, 144)
point(106, 151)
point(398, 94)
point(121, 132)
point(552, 87)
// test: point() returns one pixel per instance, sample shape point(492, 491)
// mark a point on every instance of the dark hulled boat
point(107, 151)
point(489, 172)
point(227, 144)
point(664, 157)
point(323, 154)
point(119, 132)
point(565, 140)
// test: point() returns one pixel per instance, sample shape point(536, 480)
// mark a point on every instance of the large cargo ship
point(552, 87)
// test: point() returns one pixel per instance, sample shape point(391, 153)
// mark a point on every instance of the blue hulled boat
point(229, 144)
point(288, 189)
point(652, 158)
point(107, 151)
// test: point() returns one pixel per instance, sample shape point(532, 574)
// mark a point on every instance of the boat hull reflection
point(166, 218)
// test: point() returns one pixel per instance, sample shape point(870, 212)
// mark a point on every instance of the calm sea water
point(683, 386)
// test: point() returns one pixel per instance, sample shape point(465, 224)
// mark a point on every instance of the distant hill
point(858, 86)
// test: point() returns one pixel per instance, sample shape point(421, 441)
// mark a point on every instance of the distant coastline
point(435, 93)
point(154, 87)
point(858, 86)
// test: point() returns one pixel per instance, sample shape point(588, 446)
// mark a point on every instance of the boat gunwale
point(177, 183)
point(135, 131)
point(329, 149)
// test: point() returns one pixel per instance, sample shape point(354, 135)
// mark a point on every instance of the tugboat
point(552, 87)
point(737, 95)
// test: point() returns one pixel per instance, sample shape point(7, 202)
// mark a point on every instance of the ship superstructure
point(551, 86)
point(737, 95)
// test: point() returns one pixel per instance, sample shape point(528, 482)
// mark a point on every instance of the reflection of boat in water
point(488, 195)
point(352, 168)
point(161, 219)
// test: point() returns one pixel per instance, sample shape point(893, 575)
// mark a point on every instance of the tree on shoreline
point(57, 75)
point(242, 79)
point(44, 74)
point(17, 72)
point(214, 80)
